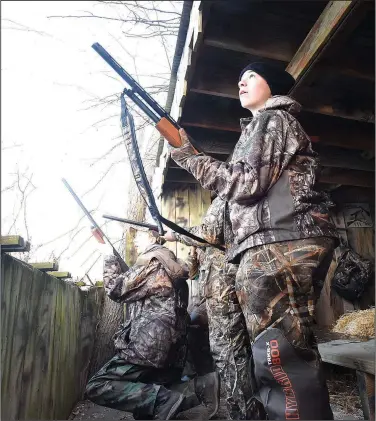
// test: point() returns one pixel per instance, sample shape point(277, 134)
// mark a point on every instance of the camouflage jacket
point(213, 261)
point(268, 184)
point(156, 293)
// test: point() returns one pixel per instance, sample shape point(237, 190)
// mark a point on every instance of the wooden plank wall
point(330, 305)
point(186, 205)
point(47, 335)
point(361, 240)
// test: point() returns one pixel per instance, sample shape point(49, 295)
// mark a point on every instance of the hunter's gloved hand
point(169, 236)
point(184, 137)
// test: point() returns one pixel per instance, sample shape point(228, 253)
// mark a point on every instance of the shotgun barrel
point(136, 88)
point(131, 222)
point(97, 228)
point(165, 124)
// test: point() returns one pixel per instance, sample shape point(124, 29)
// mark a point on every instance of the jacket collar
point(276, 102)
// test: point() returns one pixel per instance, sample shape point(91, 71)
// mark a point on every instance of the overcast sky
point(52, 126)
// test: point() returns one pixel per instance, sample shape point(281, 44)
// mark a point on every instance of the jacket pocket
point(249, 229)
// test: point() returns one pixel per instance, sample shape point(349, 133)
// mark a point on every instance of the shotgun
point(164, 123)
point(98, 234)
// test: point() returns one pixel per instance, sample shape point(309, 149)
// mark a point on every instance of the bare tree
point(146, 18)
point(21, 187)
point(146, 21)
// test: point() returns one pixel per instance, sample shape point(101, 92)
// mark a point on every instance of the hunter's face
point(253, 90)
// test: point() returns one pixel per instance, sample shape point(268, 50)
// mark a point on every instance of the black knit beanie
point(280, 82)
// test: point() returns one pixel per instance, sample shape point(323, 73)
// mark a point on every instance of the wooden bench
point(360, 356)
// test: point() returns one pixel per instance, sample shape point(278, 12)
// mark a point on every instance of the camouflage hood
point(277, 102)
point(174, 267)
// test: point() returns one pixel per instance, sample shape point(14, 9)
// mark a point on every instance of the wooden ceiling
point(330, 49)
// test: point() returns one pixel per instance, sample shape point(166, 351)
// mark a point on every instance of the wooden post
point(60, 275)
point(366, 387)
point(326, 25)
point(14, 243)
point(45, 266)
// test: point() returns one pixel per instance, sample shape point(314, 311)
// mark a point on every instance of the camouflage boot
point(167, 404)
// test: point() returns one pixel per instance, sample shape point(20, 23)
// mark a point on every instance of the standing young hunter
point(279, 232)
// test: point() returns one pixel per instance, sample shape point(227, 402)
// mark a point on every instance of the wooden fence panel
point(48, 329)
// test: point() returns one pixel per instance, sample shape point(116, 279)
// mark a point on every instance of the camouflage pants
point(275, 285)
point(229, 342)
point(129, 387)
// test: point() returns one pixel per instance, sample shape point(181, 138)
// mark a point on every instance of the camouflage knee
point(116, 385)
point(138, 398)
point(94, 390)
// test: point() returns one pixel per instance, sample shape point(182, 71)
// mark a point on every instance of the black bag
point(290, 387)
point(352, 275)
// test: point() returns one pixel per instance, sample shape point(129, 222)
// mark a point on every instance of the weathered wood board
point(60, 275)
point(350, 353)
point(14, 243)
point(182, 218)
point(185, 204)
point(45, 266)
point(366, 388)
point(168, 210)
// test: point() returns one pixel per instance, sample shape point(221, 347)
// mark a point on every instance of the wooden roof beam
point(271, 45)
point(202, 111)
point(331, 138)
point(337, 20)
point(347, 177)
point(261, 31)
point(227, 43)
point(223, 83)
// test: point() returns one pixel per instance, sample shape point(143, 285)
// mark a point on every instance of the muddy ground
point(343, 390)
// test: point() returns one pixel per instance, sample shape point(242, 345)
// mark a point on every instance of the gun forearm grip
point(169, 132)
